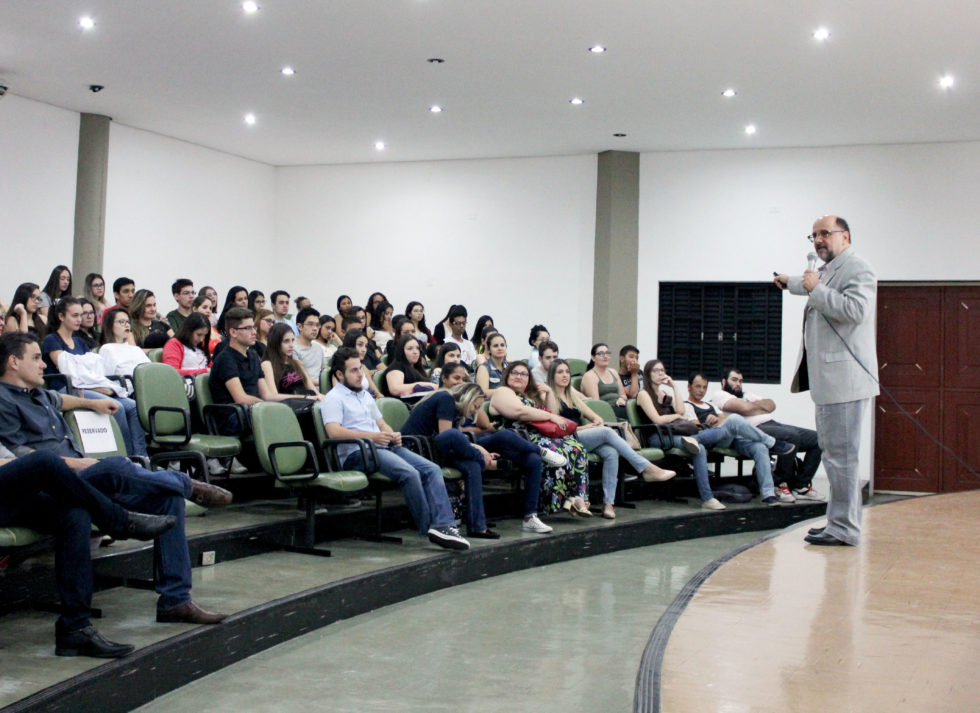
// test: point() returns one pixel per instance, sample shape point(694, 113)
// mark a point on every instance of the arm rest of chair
point(58, 382)
point(240, 410)
point(310, 458)
point(124, 381)
point(369, 453)
point(418, 444)
point(154, 410)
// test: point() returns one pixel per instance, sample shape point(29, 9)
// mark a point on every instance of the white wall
point(740, 215)
point(509, 237)
point(38, 167)
point(175, 209)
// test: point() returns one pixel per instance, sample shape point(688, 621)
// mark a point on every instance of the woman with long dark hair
point(118, 353)
point(415, 311)
point(24, 313)
point(381, 323)
point(491, 371)
point(57, 286)
point(447, 354)
point(344, 303)
point(602, 383)
point(237, 296)
point(88, 332)
point(283, 373)
point(357, 340)
point(188, 351)
point(405, 376)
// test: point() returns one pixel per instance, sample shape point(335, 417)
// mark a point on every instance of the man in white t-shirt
point(457, 323)
point(758, 412)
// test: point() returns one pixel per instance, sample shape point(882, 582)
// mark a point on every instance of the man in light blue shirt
point(350, 412)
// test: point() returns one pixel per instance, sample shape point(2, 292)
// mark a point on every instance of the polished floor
point(892, 625)
point(564, 637)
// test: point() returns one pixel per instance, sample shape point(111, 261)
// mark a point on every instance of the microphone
point(811, 261)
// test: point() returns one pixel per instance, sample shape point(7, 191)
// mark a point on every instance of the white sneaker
point(784, 495)
point(533, 524)
point(808, 493)
point(691, 445)
point(713, 504)
point(215, 467)
point(555, 460)
point(237, 468)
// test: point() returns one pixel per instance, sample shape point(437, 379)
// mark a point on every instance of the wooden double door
point(929, 360)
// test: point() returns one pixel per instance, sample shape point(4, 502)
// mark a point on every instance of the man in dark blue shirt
point(30, 420)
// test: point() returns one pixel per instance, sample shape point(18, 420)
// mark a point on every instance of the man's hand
point(811, 278)
point(382, 438)
point(712, 420)
point(79, 463)
point(106, 406)
point(781, 281)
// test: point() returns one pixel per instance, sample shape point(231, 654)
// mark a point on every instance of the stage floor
point(891, 625)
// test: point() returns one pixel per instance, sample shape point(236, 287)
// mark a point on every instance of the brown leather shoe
point(209, 496)
point(188, 613)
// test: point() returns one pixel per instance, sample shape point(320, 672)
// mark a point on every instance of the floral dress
point(559, 484)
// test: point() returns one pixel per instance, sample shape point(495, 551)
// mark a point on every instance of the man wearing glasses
point(457, 323)
point(308, 351)
point(838, 366)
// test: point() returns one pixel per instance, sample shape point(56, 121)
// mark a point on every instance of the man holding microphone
point(838, 365)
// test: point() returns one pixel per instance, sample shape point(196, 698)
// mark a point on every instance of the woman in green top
point(601, 382)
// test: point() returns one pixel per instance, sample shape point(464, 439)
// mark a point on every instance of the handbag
point(550, 429)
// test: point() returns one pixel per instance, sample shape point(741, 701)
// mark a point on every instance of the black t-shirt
point(411, 377)
point(231, 363)
point(424, 418)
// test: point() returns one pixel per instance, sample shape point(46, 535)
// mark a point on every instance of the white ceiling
point(192, 69)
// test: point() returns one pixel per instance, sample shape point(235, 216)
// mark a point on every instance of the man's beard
point(356, 387)
point(737, 393)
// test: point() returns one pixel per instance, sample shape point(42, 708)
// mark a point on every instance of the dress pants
point(839, 426)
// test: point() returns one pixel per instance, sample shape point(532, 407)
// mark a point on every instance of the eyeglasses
point(311, 324)
point(188, 293)
point(118, 321)
point(98, 284)
point(520, 374)
point(822, 234)
point(249, 328)
point(458, 323)
point(602, 353)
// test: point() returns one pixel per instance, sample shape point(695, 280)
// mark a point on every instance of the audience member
point(758, 412)
point(148, 331)
point(547, 353)
point(88, 331)
point(445, 326)
point(483, 347)
point(187, 351)
point(373, 301)
point(211, 294)
point(483, 325)
point(415, 311)
point(344, 303)
point(63, 322)
point(350, 413)
point(23, 315)
point(447, 354)
point(184, 294)
point(457, 335)
point(118, 353)
point(596, 436)
point(283, 374)
point(629, 371)
point(327, 338)
point(520, 400)
point(280, 309)
point(539, 333)
point(265, 320)
point(665, 409)
point(238, 296)
point(490, 372)
point(204, 305)
point(381, 323)
point(405, 376)
point(57, 286)
point(94, 291)
point(123, 289)
point(302, 303)
point(356, 339)
point(308, 351)
point(601, 382)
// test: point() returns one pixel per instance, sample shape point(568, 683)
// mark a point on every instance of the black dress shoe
point(487, 534)
point(89, 642)
point(816, 530)
point(826, 540)
point(140, 526)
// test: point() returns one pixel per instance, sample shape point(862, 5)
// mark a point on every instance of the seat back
point(577, 367)
point(326, 382)
point(577, 382)
point(393, 411)
point(603, 410)
point(160, 385)
point(635, 415)
point(379, 382)
point(155, 355)
point(272, 423)
point(202, 393)
point(120, 444)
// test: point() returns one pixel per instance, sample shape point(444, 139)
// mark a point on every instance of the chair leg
point(309, 534)
point(377, 535)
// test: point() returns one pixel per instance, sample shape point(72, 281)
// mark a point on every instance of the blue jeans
point(457, 448)
point(700, 464)
point(748, 441)
point(157, 493)
point(806, 441)
point(525, 455)
point(608, 444)
point(420, 481)
point(129, 422)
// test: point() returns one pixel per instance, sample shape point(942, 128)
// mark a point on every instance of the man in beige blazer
point(839, 366)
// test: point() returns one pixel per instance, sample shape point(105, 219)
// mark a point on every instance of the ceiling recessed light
point(379, 145)
point(729, 93)
point(947, 81)
point(435, 109)
point(750, 129)
point(287, 71)
point(597, 49)
point(821, 34)
point(250, 7)
point(86, 22)
point(576, 101)
point(619, 136)
point(250, 119)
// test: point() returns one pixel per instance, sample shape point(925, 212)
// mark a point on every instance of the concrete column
point(90, 193)
point(614, 309)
